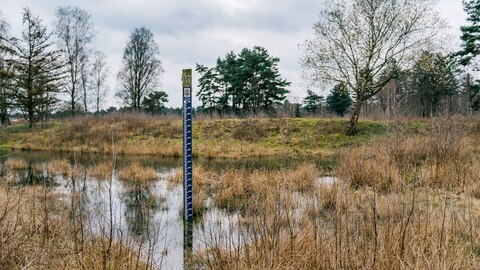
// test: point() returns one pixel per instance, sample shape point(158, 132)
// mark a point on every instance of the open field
point(229, 138)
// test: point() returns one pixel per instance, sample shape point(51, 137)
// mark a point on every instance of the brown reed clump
point(232, 189)
point(15, 164)
point(302, 178)
point(62, 167)
point(102, 170)
point(362, 167)
point(135, 172)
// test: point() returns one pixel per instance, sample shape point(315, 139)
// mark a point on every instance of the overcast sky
point(200, 31)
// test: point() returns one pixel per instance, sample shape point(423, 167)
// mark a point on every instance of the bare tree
point(141, 69)
point(4, 73)
point(74, 30)
point(99, 75)
point(37, 68)
point(356, 42)
point(84, 80)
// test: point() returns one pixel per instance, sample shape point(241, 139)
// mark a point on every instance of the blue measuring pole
point(187, 145)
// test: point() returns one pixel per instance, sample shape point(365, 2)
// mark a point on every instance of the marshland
point(339, 134)
point(405, 194)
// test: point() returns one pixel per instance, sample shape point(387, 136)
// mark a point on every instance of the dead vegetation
point(41, 230)
point(137, 173)
point(143, 134)
point(15, 164)
point(407, 202)
point(102, 170)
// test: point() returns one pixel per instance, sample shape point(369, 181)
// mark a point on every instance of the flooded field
point(147, 214)
point(404, 203)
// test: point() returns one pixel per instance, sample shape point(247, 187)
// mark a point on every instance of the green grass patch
point(227, 138)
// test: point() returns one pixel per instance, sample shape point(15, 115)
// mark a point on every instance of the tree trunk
point(72, 106)
point(31, 119)
point(84, 86)
point(85, 109)
point(4, 118)
point(354, 119)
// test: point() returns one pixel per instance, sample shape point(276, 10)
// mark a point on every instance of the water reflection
point(163, 163)
point(187, 245)
point(140, 207)
point(32, 176)
point(150, 213)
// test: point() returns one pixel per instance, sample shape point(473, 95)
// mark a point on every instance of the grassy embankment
point(232, 138)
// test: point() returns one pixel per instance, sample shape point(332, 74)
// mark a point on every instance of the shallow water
point(139, 211)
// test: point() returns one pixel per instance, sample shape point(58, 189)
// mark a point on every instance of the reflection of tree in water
point(32, 176)
point(140, 207)
point(79, 200)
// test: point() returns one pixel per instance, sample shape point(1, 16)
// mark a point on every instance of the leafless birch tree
point(99, 75)
point(74, 30)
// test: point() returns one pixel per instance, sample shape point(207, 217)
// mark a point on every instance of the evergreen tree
point(154, 103)
point(471, 49)
point(209, 88)
point(38, 71)
point(245, 83)
point(471, 33)
point(261, 82)
point(473, 92)
point(298, 110)
point(433, 80)
point(312, 103)
point(338, 101)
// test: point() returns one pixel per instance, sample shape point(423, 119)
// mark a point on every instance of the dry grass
point(102, 170)
point(61, 166)
point(411, 204)
point(232, 189)
point(39, 232)
point(135, 172)
point(136, 133)
point(15, 164)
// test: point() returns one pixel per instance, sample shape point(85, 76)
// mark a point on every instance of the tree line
point(375, 57)
point(43, 71)
point(384, 53)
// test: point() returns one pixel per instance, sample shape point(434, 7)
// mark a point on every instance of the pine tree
point(38, 70)
point(471, 33)
point(471, 49)
point(209, 88)
point(433, 80)
point(312, 103)
point(154, 103)
point(243, 83)
point(339, 100)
